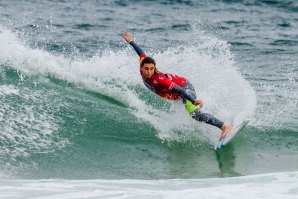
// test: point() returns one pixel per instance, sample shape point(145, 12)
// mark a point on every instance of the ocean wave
point(272, 185)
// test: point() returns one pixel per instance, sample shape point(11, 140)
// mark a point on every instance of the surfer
point(174, 87)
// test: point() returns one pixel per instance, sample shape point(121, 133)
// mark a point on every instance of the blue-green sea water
point(73, 105)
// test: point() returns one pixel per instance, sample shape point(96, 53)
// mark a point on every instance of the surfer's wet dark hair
point(150, 60)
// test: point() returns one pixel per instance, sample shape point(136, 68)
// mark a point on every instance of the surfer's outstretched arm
point(128, 39)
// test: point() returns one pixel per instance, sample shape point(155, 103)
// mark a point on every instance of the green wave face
point(72, 103)
point(51, 129)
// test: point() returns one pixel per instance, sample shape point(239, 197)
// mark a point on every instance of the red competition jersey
point(162, 84)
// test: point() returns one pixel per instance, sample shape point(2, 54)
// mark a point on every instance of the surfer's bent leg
point(195, 111)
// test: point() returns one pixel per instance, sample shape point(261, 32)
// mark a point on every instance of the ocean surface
point(76, 120)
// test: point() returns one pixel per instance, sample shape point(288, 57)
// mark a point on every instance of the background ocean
point(76, 120)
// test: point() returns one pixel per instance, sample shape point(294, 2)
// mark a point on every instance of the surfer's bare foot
point(226, 128)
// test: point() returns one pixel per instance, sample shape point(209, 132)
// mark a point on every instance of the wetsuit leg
point(207, 118)
point(196, 113)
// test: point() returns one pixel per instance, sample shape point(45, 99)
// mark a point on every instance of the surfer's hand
point(198, 102)
point(127, 37)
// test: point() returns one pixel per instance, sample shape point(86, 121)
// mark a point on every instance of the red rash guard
point(162, 84)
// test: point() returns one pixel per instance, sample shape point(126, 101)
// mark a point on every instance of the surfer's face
point(148, 70)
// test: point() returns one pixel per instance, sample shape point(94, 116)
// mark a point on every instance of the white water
point(273, 186)
point(209, 66)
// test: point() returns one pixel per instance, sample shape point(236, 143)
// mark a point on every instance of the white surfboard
point(237, 128)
